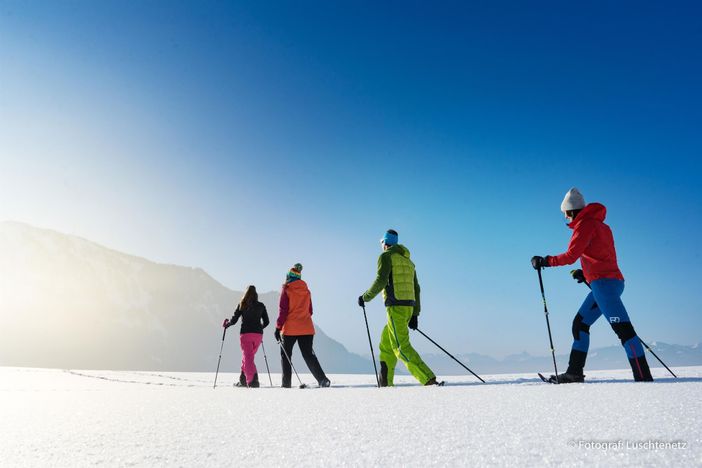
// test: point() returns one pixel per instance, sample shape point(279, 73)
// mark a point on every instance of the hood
point(596, 211)
point(400, 249)
point(297, 283)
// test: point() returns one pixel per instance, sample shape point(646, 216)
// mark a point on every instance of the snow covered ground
point(53, 417)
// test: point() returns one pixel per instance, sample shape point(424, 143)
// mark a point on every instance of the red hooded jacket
point(593, 243)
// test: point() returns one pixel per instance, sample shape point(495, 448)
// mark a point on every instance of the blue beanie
point(390, 237)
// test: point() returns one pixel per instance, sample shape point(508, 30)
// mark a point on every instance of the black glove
point(414, 322)
point(361, 302)
point(229, 322)
point(578, 275)
point(539, 262)
point(277, 335)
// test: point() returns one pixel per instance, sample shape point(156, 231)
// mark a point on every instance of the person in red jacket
point(294, 324)
point(593, 243)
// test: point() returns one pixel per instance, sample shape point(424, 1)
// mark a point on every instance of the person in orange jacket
point(294, 325)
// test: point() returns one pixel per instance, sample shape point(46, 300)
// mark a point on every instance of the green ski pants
point(395, 344)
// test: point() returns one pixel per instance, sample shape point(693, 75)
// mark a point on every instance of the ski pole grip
point(225, 323)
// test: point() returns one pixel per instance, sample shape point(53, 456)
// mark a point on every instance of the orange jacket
point(295, 309)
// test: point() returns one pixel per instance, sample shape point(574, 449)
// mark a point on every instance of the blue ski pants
point(605, 299)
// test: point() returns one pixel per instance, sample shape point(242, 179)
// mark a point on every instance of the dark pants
point(305, 343)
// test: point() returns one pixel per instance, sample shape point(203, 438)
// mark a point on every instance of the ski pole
point(224, 324)
point(265, 358)
point(548, 324)
point(375, 368)
point(642, 341)
point(450, 355)
point(656, 356)
point(291, 364)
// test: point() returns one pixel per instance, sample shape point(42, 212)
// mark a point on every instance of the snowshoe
point(564, 378)
point(433, 381)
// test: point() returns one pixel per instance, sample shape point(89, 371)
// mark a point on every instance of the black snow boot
point(567, 377)
point(242, 380)
point(254, 383)
point(325, 383)
point(286, 381)
point(383, 374)
point(576, 363)
point(639, 366)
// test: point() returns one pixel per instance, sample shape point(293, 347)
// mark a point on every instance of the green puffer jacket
point(397, 279)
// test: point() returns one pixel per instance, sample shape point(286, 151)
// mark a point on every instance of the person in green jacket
point(397, 279)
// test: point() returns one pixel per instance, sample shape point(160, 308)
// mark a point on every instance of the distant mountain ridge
point(611, 357)
point(69, 302)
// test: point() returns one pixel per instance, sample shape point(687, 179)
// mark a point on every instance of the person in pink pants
point(250, 342)
point(254, 319)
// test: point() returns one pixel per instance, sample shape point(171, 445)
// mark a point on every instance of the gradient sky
point(242, 138)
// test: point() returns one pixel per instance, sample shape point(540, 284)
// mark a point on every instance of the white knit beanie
point(573, 200)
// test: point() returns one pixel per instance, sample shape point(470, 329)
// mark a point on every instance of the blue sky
point(243, 138)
